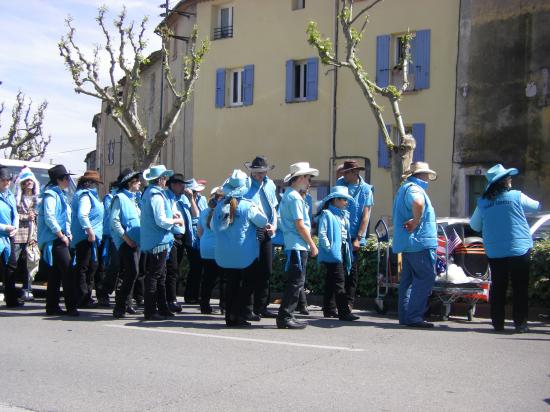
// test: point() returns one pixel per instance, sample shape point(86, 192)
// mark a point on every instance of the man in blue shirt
point(359, 209)
point(415, 236)
point(296, 227)
point(263, 193)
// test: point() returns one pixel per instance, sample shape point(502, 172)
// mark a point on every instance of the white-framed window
point(298, 4)
point(236, 87)
point(224, 28)
point(300, 78)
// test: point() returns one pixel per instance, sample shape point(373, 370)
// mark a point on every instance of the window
point(387, 64)
point(111, 152)
point(224, 28)
point(302, 80)
point(236, 89)
point(237, 85)
point(298, 4)
point(418, 130)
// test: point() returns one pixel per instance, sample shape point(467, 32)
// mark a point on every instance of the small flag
point(441, 246)
point(454, 241)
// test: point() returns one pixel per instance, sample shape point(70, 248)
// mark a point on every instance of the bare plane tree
point(123, 96)
point(353, 27)
point(25, 138)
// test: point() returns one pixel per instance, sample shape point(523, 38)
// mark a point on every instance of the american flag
point(454, 241)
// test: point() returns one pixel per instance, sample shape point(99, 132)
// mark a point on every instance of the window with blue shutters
point(419, 134)
point(420, 53)
point(302, 80)
point(383, 60)
point(235, 87)
point(383, 151)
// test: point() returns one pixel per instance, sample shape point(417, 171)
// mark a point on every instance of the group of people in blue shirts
point(229, 239)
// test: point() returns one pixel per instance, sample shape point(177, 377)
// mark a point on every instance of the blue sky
point(29, 33)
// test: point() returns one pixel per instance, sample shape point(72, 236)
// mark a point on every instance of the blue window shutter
point(383, 152)
point(383, 60)
point(220, 88)
point(289, 93)
point(421, 59)
point(312, 79)
point(419, 134)
point(248, 85)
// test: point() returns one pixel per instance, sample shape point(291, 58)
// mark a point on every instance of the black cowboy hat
point(57, 172)
point(125, 176)
point(176, 178)
point(259, 164)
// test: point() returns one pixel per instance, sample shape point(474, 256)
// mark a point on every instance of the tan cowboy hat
point(420, 167)
point(90, 175)
point(300, 169)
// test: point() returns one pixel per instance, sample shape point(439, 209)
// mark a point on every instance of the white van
point(39, 169)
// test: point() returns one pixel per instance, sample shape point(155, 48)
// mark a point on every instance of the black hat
point(125, 176)
point(57, 172)
point(5, 173)
point(259, 164)
point(176, 178)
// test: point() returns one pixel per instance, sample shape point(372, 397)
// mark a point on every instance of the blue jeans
point(415, 286)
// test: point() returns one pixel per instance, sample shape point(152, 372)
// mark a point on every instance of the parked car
point(540, 225)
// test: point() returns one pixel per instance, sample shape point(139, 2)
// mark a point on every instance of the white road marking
point(269, 342)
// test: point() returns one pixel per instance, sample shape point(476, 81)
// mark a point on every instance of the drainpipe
point(334, 95)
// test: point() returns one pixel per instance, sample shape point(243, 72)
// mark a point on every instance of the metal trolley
point(445, 292)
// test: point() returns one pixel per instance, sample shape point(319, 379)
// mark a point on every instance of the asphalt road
point(96, 363)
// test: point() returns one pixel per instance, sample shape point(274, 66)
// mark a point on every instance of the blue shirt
point(293, 208)
point(362, 198)
point(264, 195)
point(208, 238)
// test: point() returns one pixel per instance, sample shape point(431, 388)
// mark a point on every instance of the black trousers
point(352, 279)
point(211, 273)
point(7, 269)
point(335, 289)
point(85, 270)
point(155, 283)
point(515, 268)
point(192, 287)
point(139, 285)
point(294, 283)
point(172, 270)
point(129, 269)
point(61, 272)
point(263, 271)
point(107, 272)
point(239, 286)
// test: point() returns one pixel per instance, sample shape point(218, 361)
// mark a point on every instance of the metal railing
point(223, 32)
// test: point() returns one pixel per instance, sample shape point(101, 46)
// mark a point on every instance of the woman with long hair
point(500, 216)
point(234, 224)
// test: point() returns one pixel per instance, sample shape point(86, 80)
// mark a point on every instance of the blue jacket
point(8, 216)
point(129, 218)
point(190, 237)
point(208, 238)
point(263, 194)
point(330, 238)
point(151, 235)
point(46, 235)
point(107, 200)
point(180, 206)
point(503, 224)
point(236, 244)
point(95, 217)
point(362, 197)
point(425, 234)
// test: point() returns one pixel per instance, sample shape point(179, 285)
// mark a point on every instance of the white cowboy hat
point(300, 169)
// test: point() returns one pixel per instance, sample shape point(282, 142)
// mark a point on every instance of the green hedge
point(539, 288)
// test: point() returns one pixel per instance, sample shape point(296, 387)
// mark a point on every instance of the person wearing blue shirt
point(211, 270)
point(415, 236)
point(87, 231)
point(334, 245)
point(263, 193)
point(124, 221)
point(54, 236)
point(176, 185)
point(9, 223)
point(359, 209)
point(194, 203)
point(500, 216)
point(156, 222)
point(234, 224)
point(108, 268)
point(296, 228)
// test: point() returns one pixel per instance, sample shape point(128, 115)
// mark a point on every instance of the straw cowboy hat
point(336, 192)
point(497, 172)
point(90, 176)
point(259, 164)
point(193, 185)
point(350, 165)
point(236, 185)
point(155, 172)
point(420, 167)
point(300, 169)
point(126, 175)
